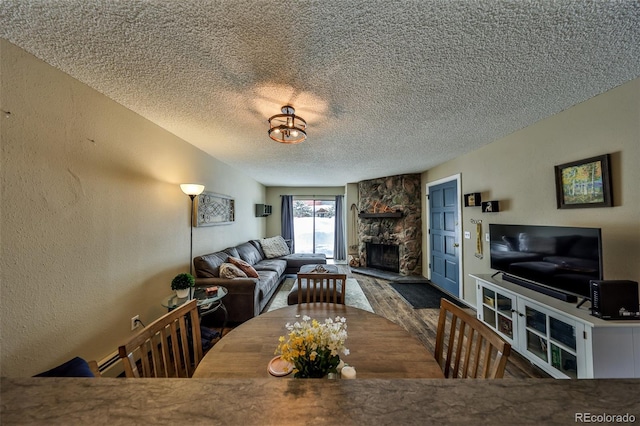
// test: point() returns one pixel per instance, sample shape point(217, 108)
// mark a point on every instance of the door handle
point(456, 245)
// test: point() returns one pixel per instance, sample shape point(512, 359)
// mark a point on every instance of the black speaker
point(615, 299)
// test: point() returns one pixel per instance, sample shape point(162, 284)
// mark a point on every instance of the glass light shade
point(192, 188)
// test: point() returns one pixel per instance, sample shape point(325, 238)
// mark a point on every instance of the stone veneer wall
point(395, 193)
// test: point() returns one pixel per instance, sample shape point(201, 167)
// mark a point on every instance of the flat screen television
point(555, 260)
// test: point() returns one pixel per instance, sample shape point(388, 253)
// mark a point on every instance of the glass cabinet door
point(505, 312)
point(498, 311)
point(536, 325)
point(563, 347)
point(551, 338)
point(488, 306)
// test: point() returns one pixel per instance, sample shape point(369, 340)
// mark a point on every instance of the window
point(314, 225)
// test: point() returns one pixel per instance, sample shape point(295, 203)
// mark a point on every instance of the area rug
point(422, 295)
point(355, 296)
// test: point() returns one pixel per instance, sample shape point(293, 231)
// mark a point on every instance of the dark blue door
point(444, 261)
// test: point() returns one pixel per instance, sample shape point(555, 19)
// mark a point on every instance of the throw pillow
point(229, 270)
point(76, 367)
point(274, 247)
point(244, 267)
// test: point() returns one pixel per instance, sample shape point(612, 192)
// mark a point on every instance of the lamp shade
point(192, 188)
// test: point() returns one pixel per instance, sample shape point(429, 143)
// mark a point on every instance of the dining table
point(379, 348)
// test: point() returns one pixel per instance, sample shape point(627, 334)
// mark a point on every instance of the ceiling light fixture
point(287, 127)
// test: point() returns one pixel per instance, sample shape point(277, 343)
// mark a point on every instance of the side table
point(206, 304)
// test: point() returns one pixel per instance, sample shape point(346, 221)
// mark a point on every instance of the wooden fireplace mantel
point(379, 215)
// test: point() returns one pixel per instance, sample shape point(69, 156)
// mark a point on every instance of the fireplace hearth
point(383, 256)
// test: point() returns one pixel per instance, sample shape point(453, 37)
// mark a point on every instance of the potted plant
point(182, 283)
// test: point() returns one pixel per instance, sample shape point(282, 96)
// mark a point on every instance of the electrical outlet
point(135, 322)
point(467, 235)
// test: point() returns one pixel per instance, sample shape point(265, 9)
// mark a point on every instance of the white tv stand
point(560, 338)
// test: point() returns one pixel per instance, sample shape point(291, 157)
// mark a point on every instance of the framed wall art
point(213, 209)
point(490, 206)
point(584, 183)
point(472, 200)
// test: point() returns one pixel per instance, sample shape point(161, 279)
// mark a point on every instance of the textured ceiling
point(387, 87)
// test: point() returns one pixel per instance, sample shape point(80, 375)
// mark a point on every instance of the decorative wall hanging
point(214, 209)
point(478, 224)
point(354, 247)
point(472, 200)
point(584, 183)
point(490, 206)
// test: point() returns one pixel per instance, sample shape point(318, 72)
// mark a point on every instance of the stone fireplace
point(390, 215)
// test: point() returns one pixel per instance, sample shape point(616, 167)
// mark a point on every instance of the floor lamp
point(191, 189)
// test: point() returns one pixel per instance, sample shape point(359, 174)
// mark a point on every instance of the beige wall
point(94, 225)
point(273, 197)
point(519, 172)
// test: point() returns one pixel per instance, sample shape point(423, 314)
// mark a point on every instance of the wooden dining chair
point(322, 288)
point(472, 349)
point(93, 366)
point(171, 346)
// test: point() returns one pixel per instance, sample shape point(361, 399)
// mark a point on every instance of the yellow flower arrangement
point(313, 347)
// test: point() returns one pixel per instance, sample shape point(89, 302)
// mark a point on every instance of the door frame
point(458, 179)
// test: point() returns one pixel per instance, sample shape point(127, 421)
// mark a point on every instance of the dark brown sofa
point(247, 297)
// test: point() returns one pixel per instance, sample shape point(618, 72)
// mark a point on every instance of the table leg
point(226, 317)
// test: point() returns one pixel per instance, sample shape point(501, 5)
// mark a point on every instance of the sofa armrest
point(241, 300)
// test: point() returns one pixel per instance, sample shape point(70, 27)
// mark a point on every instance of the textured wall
point(519, 171)
point(94, 225)
point(395, 193)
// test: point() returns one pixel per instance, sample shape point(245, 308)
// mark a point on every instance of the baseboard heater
point(111, 366)
point(556, 294)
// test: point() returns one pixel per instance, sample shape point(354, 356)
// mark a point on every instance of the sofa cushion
point(274, 247)
point(296, 260)
point(229, 270)
point(75, 367)
point(244, 267)
point(258, 246)
point(248, 253)
point(268, 280)
point(231, 251)
point(208, 265)
point(275, 265)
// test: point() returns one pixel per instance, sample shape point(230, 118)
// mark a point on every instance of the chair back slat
point(468, 361)
point(169, 347)
point(322, 288)
point(472, 349)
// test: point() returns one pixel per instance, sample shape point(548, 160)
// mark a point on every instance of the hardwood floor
point(421, 323)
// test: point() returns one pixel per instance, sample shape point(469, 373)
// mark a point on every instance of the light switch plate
point(486, 237)
point(467, 235)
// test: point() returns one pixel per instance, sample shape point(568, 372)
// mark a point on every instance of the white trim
point(458, 179)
